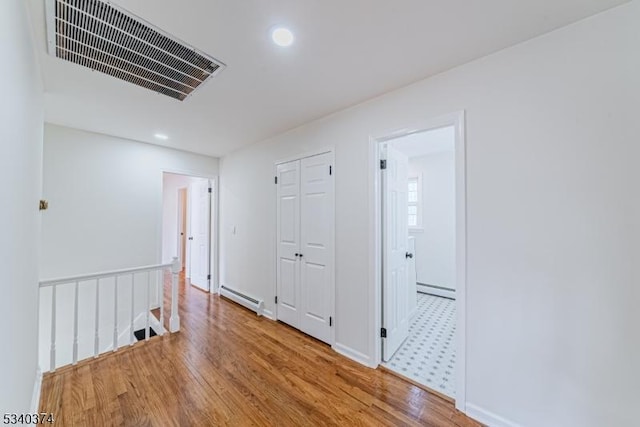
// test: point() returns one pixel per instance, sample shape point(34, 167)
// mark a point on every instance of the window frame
point(418, 228)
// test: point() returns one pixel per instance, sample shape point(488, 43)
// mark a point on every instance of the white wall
point(171, 184)
point(435, 241)
point(105, 213)
point(553, 287)
point(20, 171)
point(105, 197)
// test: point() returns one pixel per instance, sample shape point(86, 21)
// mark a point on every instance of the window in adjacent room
point(415, 202)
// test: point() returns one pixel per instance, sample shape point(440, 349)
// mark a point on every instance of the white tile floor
point(428, 355)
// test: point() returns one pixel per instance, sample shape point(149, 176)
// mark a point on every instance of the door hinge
point(383, 164)
point(330, 170)
point(210, 190)
point(276, 180)
point(208, 277)
point(330, 321)
point(383, 332)
point(276, 299)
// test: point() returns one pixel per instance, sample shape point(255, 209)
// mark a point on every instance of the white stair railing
point(97, 278)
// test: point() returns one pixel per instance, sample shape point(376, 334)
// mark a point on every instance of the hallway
point(229, 367)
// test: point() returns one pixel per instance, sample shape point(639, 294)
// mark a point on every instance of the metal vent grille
point(108, 39)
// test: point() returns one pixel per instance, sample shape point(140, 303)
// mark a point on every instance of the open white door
point(182, 226)
point(395, 232)
point(200, 214)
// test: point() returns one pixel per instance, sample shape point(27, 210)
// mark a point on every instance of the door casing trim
point(457, 120)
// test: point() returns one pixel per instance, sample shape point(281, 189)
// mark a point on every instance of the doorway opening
point(419, 217)
point(188, 227)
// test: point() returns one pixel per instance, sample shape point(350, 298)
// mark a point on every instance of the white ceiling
point(345, 52)
point(426, 143)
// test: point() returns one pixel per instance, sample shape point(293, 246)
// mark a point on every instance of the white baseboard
point(352, 354)
point(268, 314)
point(488, 418)
point(37, 388)
point(424, 289)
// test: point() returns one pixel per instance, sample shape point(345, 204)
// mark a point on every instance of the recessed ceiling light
point(161, 136)
point(282, 37)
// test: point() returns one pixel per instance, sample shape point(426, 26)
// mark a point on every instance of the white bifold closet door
point(288, 271)
point(305, 284)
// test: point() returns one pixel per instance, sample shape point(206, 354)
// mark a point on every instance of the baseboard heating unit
point(439, 291)
point(245, 300)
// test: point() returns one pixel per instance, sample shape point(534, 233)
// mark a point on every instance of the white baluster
point(96, 344)
point(75, 325)
point(174, 321)
point(131, 335)
point(161, 299)
point(148, 307)
point(52, 368)
point(115, 315)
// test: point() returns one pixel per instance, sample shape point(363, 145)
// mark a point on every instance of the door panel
point(182, 227)
point(316, 228)
point(317, 221)
point(288, 235)
point(316, 302)
point(288, 232)
point(288, 283)
point(395, 287)
point(200, 206)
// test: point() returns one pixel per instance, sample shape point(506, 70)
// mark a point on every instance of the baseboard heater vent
point(251, 303)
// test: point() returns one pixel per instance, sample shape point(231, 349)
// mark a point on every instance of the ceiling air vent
point(106, 38)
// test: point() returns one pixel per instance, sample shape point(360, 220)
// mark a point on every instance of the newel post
point(174, 320)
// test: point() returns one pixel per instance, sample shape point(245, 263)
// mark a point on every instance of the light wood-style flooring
point(229, 367)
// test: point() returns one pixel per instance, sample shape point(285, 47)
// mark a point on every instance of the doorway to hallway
point(188, 226)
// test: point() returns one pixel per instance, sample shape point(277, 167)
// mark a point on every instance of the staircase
point(87, 316)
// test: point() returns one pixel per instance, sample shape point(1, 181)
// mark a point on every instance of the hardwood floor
point(229, 367)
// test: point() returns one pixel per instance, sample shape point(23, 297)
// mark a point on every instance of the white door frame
point(331, 150)
point(375, 245)
point(214, 234)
